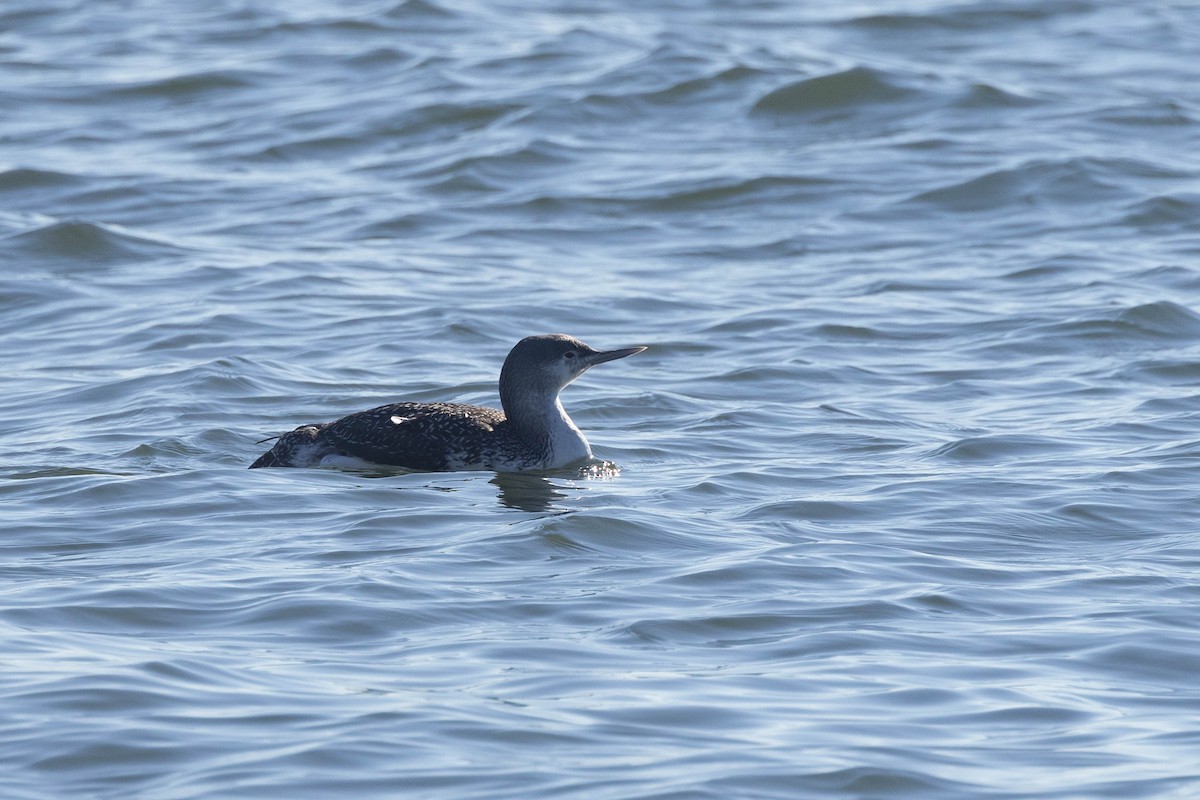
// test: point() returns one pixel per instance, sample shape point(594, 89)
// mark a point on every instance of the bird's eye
point(569, 355)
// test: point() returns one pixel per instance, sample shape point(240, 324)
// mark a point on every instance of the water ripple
point(903, 494)
point(78, 240)
point(857, 87)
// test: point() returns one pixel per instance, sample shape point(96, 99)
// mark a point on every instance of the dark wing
point(420, 436)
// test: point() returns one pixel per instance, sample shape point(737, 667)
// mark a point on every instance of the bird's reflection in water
point(526, 492)
point(523, 491)
point(529, 491)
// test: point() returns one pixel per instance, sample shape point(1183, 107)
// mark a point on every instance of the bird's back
point(418, 436)
point(422, 436)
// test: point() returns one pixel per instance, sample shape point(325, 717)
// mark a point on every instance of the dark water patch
point(1105, 519)
point(498, 171)
point(385, 57)
point(766, 575)
point(982, 193)
point(727, 87)
point(787, 249)
point(1156, 112)
point(406, 226)
point(1181, 278)
point(462, 186)
point(842, 332)
point(319, 30)
point(967, 17)
point(1069, 183)
point(1146, 663)
point(1138, 170)
point(1019, 718)
point(115, 612)
point(427, 123)
point(608, 533)
point(857, 782)
point(917, 698)
point(334, 619)
point(85, 242)
point(1104, 330)
point(914, 285)
point(985, 96)
point(1053, 272)
point(690, 196)
point(836, 94)
point(315, 147)
point(756, 629)
point(36, 473)
point(104, 695)
point(1171, 405)
point(1163, 214)
point(23, 179)
point(823, 511)
point(15, 18)
point(110, 763)
point(418, 11)
point(556, 240)
point(1000, 448)
point(728, 84)
point(192, 87)
point(1163, 319)
point(904, 780)
point(24, 300)
point(1164, 372)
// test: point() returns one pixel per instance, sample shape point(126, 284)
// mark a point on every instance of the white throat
point(567, 443)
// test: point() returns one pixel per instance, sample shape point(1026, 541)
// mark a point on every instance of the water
point(907, 501)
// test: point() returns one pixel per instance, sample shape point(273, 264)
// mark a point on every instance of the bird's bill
point(611, 355)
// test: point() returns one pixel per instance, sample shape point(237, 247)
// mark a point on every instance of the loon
point(532, 432)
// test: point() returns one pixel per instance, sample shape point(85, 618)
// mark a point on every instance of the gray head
point(543, 365)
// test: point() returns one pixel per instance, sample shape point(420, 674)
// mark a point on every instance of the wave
point(190, 85)
point(82, 241)
point(847, 90)
point(966, 17)
point(1164, 213)
point(1068, 182)
point(22, 178)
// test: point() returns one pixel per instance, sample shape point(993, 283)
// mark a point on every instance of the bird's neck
point(541, 420)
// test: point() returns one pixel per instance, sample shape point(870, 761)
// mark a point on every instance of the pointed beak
point(593, 359)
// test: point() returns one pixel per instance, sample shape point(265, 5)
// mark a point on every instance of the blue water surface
point(907, 501)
